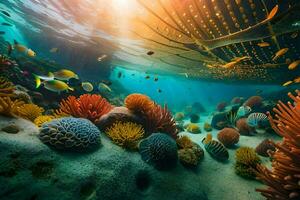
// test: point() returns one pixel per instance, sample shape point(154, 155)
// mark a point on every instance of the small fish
point(280, 53)
point(294, 35)
point(263, 44)
point(20, 48)
point(6, 24)
point(147, 77)
point(39, 79)
point(155, 79)
point(65, 75)
point(2, 32)
point(243, 111)
point(273, 12)
point(100, 58)
point(229, 65)
point(104, 87)
point(5, 13)
point(294, 64)
point(150, 53)
point(54, 50)
point(87, 86)
point(30, 53)
point(287, 83)
point(256, 119)
point(215, 148)
point(53, 85)
point(159, 91)
point(119, 74)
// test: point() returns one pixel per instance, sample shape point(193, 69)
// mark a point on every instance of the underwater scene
point(149, 100)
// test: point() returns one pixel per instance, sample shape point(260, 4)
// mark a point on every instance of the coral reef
point(283, 179)
point(91, 107)
point(70, 133)
point(30, 111)
point(179, 116)
point(194, 118)
point(40, 120)
point(193, 128)
point(243, 127)
point(216, 149)
point(229, 137)
point(159, 150)
point(246, 162)
point(254, 102)
point(190, 157)
point(9, 107)
point(139, 103)
point(184, 142)
point(7, 88)
point(264, 147)
point(126, 134)
point(221, 106)
point(207, 127)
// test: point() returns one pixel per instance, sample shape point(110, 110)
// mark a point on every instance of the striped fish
point(257, 119)
point(215, 148)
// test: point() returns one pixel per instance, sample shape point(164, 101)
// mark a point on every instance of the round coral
point(229, 137)
point(194, 118)
point(179, 116)
point(138, 103)
point(207, 127)
point(243, 127)
point(159, 150)
point(126, 134)
point(184, 142)
point(69, 133)
point(40, 120)
point(264, 147)
point(190, 157)
point(254, 102)
point(30, 111)
point(87, 106)
point(193, 128)
point(221, 106)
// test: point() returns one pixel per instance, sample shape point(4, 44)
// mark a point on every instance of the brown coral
point(9, 107)
point(190, 157)
point(229, 137)
point(184, 142)
point(87, 106)
point(264, 148)
point(30, 111)
point(7, 88)
point(284, 177)
point(254, 102)
point(243, 127)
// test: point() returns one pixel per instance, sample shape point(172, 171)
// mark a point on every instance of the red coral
point(221, 106)
point(229, 137)
point(87, 106)
point(243, 127)
point(254, 102)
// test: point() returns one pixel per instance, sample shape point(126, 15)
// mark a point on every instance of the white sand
point(220, 177)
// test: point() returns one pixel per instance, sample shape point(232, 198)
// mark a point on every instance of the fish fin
point(69, 88)
point(50, 75)
point(38, 81)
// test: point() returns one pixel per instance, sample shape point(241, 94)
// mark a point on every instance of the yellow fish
point(65, 75)
point(31, 53)
point(294, 64)
point(103, 86)
point(263, 44)
point(52, 85)
point(273, 12)
point(87, 86)
point(287, 83)
point(280, 53)
point(297, 80)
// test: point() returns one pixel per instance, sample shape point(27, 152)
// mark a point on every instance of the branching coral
point(40, 120)
point(9, 107)
point(87, 106)
point(6, 88)
point(283, 179)
point(126, 134)
point(246, 162)
point(29, 111)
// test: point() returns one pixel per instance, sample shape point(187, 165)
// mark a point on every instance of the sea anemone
point(138, 103)
point(283, 178)
point(70, 133)
point(184, 142)
point(126, 134)
point(229, 137)
point(9, 107)
point(246, 162)
point(30, 111)
point(254, 102)
point(193, 128)
point(243, 127)
point(7, 88)
point(159, 150)
point(87, 106)
point(40, 120)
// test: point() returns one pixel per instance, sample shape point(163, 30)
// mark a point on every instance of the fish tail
point(38, 81)
point(50, 75)
point(69, 88)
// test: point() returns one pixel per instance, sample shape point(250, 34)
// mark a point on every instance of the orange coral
point(229, 137)
point(87, 106)
point(30, 111)
point(139, 103)
point(283, 179)
point(9, 107)
point(6, 88)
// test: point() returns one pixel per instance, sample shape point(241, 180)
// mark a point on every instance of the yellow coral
point(247, 156)
point(184, 142)
point(126, 134)
point(9, 107)
point(30, 111)
point(40, 120)
point(207, 127)
point(193, 128)
point(6, 88)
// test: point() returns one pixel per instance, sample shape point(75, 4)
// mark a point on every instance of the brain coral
point(30, 111)
point(159, 150)
point(243, 127)
point(70, 133)
point(126, 134)
point(91, 107)
point(254, 102)
point(229, 137)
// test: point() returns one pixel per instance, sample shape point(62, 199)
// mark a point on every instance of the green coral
point(246, 162)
